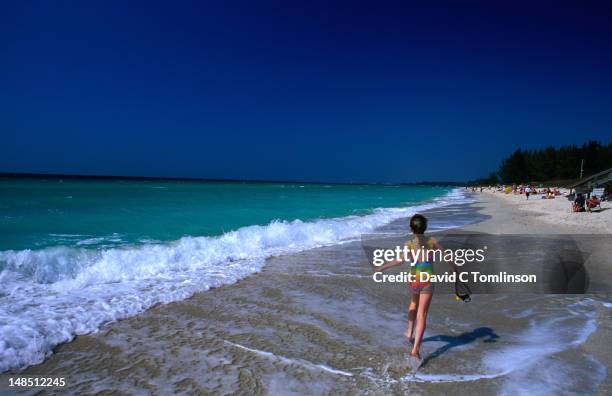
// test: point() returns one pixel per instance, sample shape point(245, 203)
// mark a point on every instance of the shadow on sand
point(486, 333)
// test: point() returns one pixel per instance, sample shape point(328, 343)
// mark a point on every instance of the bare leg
point(412, 313)
point(424, 301)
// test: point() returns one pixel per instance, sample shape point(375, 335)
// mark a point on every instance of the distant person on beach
point(421, 292)
point(579, 202)
point(527, 191)
point(593, 202)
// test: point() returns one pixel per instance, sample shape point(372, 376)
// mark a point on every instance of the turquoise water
point(76, 254)
point(39, 213)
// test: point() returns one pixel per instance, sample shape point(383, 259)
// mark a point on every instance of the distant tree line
point(551, 163)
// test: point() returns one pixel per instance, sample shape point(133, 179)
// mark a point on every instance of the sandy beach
point(316, 323)
point(557, 212)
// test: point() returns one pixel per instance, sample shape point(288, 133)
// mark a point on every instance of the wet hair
point(418, 224)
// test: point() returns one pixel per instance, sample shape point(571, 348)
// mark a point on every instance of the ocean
point(76, 254)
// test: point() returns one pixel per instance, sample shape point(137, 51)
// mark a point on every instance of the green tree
point(555, 164)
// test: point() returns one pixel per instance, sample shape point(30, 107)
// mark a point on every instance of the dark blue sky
point(350, 91)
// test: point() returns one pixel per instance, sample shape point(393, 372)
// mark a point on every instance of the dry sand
point(558, 213)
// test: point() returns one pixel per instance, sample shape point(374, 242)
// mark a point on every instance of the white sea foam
point(289, 361)
point(526, 365)
point(48, 296)
point(100, 241)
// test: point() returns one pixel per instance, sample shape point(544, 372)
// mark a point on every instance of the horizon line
point(38, 175)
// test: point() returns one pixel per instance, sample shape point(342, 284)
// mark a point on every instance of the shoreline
point(120, 282)
point(315, 322)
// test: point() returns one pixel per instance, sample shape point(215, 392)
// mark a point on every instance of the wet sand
point(316, 323)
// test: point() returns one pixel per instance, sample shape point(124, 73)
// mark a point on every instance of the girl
point(421, 292)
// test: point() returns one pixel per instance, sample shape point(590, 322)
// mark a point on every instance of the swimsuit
point(417, 286)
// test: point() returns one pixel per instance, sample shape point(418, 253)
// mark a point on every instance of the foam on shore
point(53, 294)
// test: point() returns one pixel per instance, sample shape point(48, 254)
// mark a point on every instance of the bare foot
point(409, 337)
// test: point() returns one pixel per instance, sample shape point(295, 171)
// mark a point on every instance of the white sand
point(558, 211)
